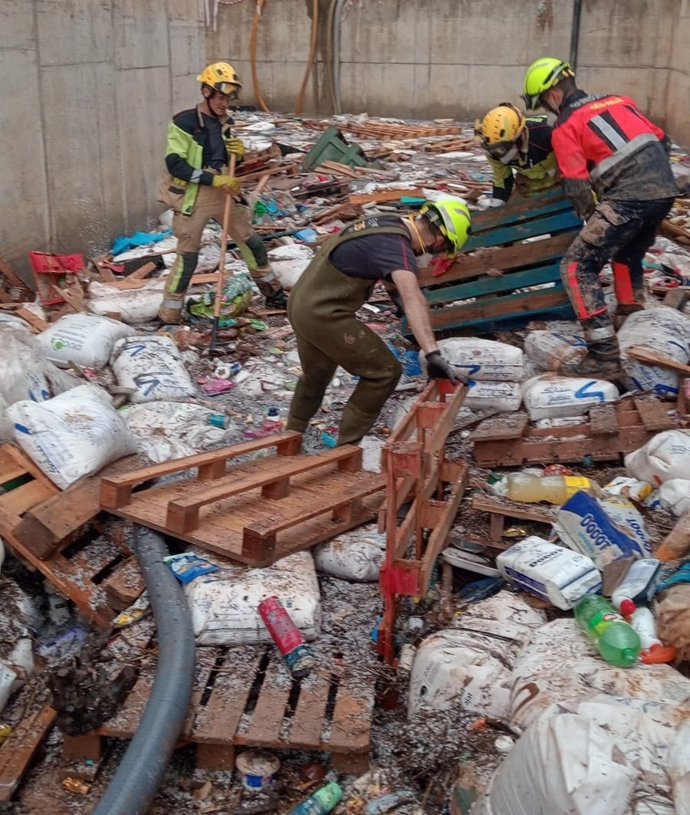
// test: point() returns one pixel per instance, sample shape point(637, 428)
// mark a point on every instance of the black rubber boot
point(277, 299)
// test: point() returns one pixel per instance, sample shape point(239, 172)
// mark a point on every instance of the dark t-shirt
point(215, 154)
point(375, 257)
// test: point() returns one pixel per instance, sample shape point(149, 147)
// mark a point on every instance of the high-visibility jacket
point(534, 172)
point(607, 141)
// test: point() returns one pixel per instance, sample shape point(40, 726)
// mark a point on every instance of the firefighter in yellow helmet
point(339, 280)
point(519, 151)
point(196, 182)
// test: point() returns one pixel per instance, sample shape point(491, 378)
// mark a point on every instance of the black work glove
point(439, 368)
point(580, 196)
point(397, 301)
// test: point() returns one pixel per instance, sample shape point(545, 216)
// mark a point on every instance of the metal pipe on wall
point(575, 32)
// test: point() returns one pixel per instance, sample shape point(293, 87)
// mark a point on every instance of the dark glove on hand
point(439, 368)
point(580, 195)
point(397, 301)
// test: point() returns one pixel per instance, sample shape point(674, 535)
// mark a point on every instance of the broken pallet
point(246, 697)
point(40, 524)
point(255, 512)
point(416, 468)
point(612, 431)
point(530, 287)
point(499, 511)
point(20, 747)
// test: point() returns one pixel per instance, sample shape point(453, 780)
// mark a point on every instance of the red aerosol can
point(297, 654)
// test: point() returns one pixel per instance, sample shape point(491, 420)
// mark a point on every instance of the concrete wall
point(86, 90)
point(87, 86)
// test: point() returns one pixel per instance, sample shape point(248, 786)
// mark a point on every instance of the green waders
point(322, 310)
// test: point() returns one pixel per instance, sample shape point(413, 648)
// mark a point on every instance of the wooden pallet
point(416, 468)
point(464, 297)
point(501, 510)
point(245, 697)
point(40, 525)
point(612, 431)
point(256, 512)
point(18, 750)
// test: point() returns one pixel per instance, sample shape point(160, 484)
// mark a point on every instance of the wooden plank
point(506, 258)
point(143, 271)
point(308, 719)
point(116, 490)
point(183, 513)
point(22, 498)
point(351, 727)
point(19, 749)
point(498, 428)
point(566, 221)
point(438, 539)
point(654, 415)
point(512, 509)
point(520, 208)
point(493, 285)
point(267, 717)
point(662, 361)
point(124, 585)
point(603, 420)
point(32, 319)
point(382, 196)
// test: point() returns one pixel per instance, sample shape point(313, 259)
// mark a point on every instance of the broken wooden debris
point(501, 510)
point(12, 288)
point(612, 431)
point(255, 512)
point(20, 747)
point(416, 468)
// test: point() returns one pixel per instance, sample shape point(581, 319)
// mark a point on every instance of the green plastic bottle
point(617, 641)
point(321, 802)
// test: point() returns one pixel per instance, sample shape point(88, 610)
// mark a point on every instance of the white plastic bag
point(72, 435)
point(85, 339)
point(169, 430)
point(24, 372)
point(549, 396)
point(153, 367)
point(662, 458)
point(502, 397)
point(469, 665)
point(661, 330)
point(482, 360)
point(133, 305)
point(224, 604)
point(354, 555)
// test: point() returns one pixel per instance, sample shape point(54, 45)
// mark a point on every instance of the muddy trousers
point(322, 345)
point(188, 230)
point(619, 231)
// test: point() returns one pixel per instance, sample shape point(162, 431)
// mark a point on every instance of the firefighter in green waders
point(519, 151)
point(339, 280)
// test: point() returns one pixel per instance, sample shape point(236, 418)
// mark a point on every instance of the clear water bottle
point(556, 489)
point(321, 802)
point(617, 641)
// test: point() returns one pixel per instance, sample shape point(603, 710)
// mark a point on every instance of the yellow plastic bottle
point(556, 489)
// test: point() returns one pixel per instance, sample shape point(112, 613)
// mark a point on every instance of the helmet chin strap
point(412, 223)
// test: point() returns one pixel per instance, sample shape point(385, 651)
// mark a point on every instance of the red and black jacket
point(607, 141)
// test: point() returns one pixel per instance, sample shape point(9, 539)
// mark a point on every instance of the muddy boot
point(603, 359)
point(623, 312)
point(170, 311)
point(276, 300)
point(273, 293)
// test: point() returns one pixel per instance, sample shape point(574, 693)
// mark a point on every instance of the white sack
point(85, 339)
point(482, 359)
point(153, 367)
point(170, 430)
point(354, 555)
point(469, 666)
point(662, 458)
point(501, 397)
point(675, 494)
point(289, 261)
point(661, 330)
point(72, 435)
point(552, 348)
point(133, 305)
point(224, 604)
point(559, 665)
point(24, 371)
point(549, 396)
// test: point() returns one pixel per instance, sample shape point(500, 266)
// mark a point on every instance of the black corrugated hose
point(141, 770)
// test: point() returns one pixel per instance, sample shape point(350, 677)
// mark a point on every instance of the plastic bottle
point(616, 640)
point(556, 489)
point(297, 654)
point(272, 423)
point(321, 802)
point(634, 585)
point(654, 651)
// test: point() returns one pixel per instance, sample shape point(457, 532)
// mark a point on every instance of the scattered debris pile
point(491, 589)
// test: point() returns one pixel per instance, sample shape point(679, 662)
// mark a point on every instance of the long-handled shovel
point(220, 285)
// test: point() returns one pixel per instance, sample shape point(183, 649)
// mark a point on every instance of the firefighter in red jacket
point(606, 147)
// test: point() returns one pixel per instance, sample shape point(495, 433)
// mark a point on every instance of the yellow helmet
point(451, 217)
point(220, 76)
point(542, 75)
point(500, 128)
